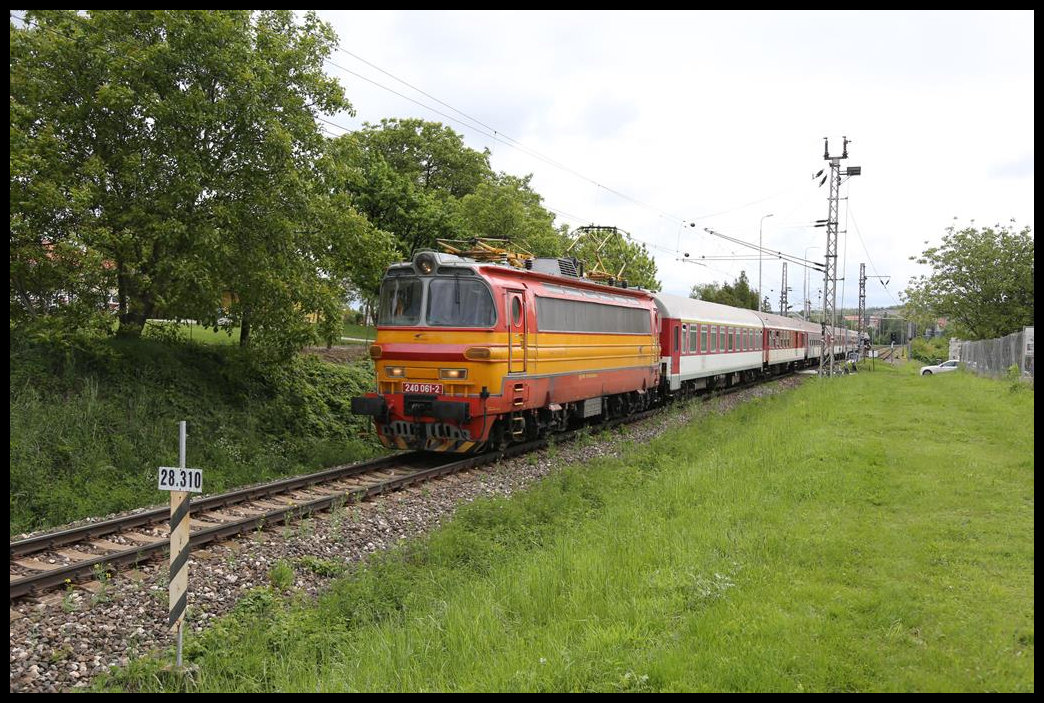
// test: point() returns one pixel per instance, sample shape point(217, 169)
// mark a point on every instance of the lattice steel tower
point(826, 356)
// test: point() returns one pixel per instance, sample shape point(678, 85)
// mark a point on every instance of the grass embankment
point(92, 421)
point(866, 533)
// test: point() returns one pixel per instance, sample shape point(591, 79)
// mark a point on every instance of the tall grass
point(91, 423)
point(866, 533)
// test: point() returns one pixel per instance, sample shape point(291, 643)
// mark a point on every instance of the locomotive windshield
point(451, 302)
point(400, 301)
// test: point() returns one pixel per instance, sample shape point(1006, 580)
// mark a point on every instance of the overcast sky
point(664, 124)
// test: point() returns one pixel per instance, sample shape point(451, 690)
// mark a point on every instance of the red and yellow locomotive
point(474, 354)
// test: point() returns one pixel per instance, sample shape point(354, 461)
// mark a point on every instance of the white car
point(945, 366)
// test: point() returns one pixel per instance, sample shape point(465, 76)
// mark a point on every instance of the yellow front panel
point(486, 373)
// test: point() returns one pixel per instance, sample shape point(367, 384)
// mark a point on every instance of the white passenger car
point(945, 366)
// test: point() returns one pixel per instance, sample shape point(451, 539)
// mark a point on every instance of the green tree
point(362, 250)
point(506, 207)
point(738, 294)
point(412, 177)
point(179, 148)
point(981, 281)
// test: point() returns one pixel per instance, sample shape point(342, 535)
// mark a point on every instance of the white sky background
point(652, 121)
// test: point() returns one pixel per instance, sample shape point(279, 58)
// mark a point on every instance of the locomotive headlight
point(453, 374)
point(395, 371)
point(425, 262)
point(375, 351)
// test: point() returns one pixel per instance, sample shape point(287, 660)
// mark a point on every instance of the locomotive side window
point(400, 301)
point(558, 315)
point(456, 302)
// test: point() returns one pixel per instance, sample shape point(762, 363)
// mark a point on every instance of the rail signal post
point(180, 481)
point(826, 355)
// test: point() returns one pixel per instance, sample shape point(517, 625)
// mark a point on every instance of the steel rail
point(35, 583)
point(50, 540)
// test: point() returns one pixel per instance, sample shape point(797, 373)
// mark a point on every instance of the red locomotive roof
point(566, 287)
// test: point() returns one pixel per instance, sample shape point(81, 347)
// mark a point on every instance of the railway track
point(49, 560)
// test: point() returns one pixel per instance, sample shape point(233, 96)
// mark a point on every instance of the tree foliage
point(174, 157)
point(981, 281)
point(506, 207)
point(179, 147)
point(412, 175)
point(738, 294)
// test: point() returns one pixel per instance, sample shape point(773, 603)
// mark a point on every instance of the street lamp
point(761, 227)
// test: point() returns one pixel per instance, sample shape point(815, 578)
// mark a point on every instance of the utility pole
point(862, 305)
point(761, 253)
point(826, 357)
point(783, 292)
point(863, 320)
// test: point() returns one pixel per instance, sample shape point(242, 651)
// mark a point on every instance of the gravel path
point(62, 641)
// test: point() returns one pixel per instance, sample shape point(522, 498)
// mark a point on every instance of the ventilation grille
point(555, 267)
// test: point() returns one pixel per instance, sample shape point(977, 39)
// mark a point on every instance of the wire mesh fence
point(994, 357)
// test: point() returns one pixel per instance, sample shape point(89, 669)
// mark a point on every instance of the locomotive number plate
point(409, 387)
